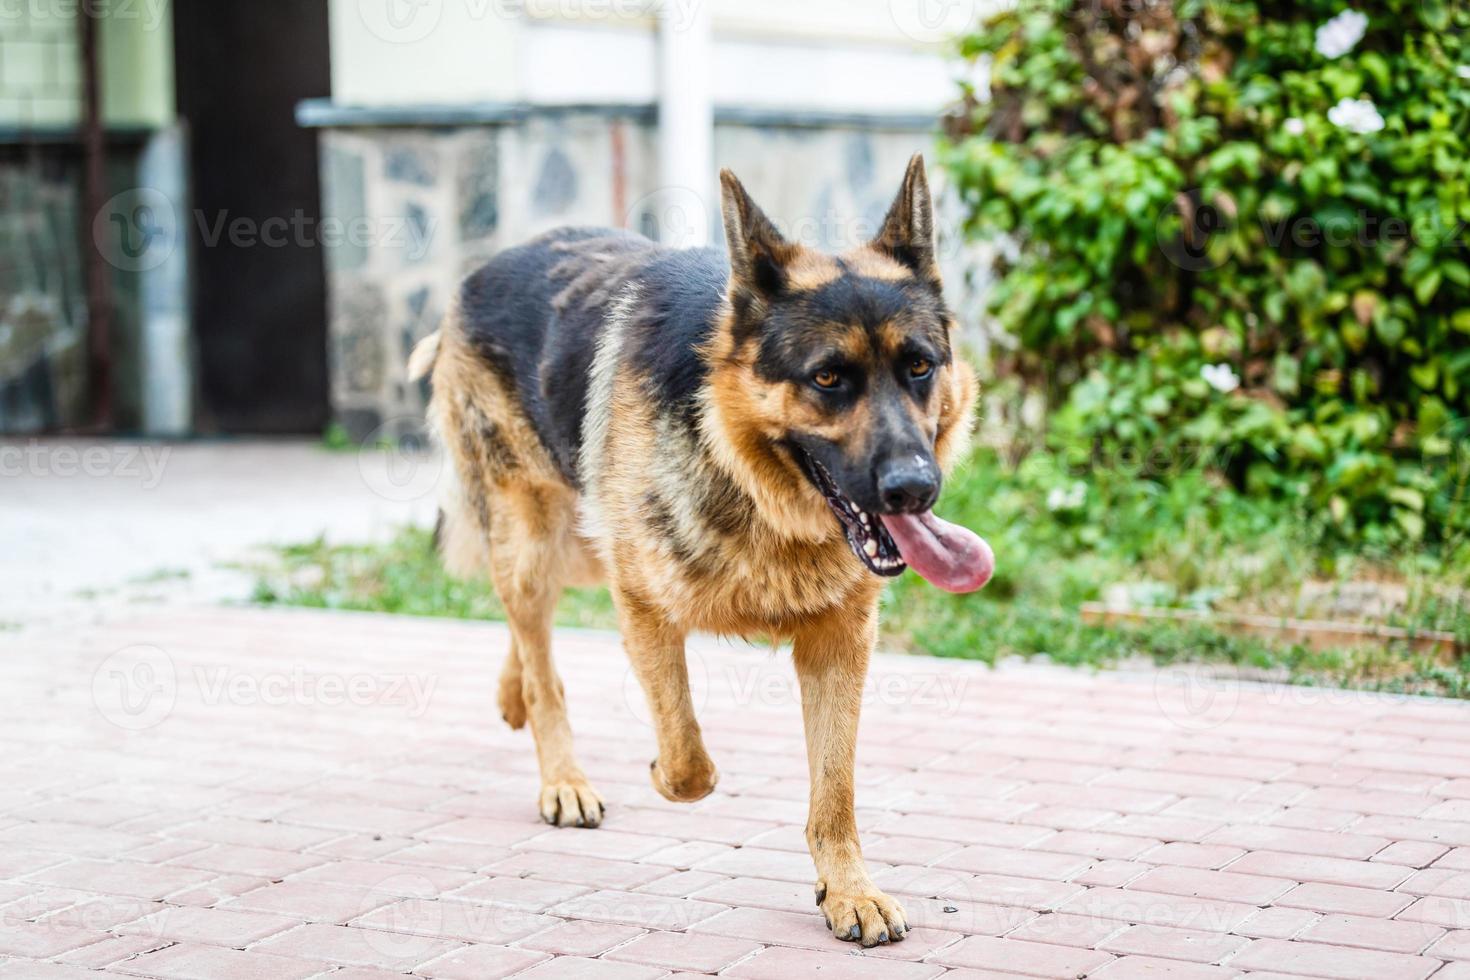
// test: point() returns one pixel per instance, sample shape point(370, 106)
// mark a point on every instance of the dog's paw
point(512, 702)
point(865, 915)
point(692, 782)
point(571, 803)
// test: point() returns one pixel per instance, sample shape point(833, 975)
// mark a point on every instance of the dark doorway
point(259, 287)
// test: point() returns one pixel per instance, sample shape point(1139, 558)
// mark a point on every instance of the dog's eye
point(920, 368)
point(826, 379)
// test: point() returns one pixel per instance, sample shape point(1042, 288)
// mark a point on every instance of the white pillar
point(686, 124)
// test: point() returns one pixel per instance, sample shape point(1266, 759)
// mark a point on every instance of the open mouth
point(866, 535)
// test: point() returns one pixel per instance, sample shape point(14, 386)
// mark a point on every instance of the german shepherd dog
point(744, 443)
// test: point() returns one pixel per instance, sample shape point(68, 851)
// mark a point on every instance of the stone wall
point(43, 312)
point(410, 210)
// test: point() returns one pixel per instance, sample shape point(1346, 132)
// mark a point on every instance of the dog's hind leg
point(683, 771)
point(530, 527)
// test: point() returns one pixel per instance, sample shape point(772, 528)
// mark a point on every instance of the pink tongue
point(952, 557)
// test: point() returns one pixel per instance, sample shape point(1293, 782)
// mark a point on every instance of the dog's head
point(835, 375)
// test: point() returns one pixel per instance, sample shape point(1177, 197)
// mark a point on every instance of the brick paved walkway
point(285, 794)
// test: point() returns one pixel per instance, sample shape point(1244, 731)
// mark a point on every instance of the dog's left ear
point(908, 230)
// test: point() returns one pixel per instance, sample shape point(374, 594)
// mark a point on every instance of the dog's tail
point(458, 536)
point(425, 353)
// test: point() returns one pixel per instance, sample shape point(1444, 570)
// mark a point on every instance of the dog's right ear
point(758, 253)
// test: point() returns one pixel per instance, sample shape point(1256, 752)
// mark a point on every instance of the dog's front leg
point(683, 771)
point(832, 663)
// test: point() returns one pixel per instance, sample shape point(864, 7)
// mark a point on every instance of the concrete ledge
point(325, 114)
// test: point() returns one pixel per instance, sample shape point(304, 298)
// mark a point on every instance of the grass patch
point(1061, 539)
point(403, 576)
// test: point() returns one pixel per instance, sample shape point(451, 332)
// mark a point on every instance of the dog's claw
point(572, 803)
point(863, 915)
point(822, 897)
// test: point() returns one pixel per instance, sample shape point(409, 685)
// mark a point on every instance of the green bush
point(1222, 235)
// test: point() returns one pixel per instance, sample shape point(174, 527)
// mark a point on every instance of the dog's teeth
point(863, 516)
point(871, 547)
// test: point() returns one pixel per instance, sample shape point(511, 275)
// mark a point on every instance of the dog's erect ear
point(758, 253)
point(908, 230)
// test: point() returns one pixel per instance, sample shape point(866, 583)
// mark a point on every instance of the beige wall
point(40, 76)
point(855, 55)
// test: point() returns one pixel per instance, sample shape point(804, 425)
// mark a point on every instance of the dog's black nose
point(908, 484)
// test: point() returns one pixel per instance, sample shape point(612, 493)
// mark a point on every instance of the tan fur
point(715, 531)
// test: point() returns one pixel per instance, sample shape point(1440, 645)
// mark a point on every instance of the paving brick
point(347, 946)
point(1454, 946)
point(476, 963)
point(1323, 870)
point(1186, 855)
point(1448, 912)
point(780, 963)
point(581, 937)
point(41, 940)
point(526, 894)
point(573, 968)
point(451, 919)
point(1150, 968)
point(1023, 864)
point(638, 909)
point(1332, 962)
point(1411, 854)
point(1157, 909)
point(1018, 956)
point(1293, 841)
point(132, 879)
point(1224, 885)
point(1065, 929)
point(577, 870)
point(211, 927)
point(313, 901)
point(1277, 923)
point(1344, 899)
point(681, 951)
point(257, 862)
point(1392, 935)
point(1173, 944)
point(188, 961)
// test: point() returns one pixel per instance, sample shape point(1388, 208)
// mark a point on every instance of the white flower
point(1463, 71)
point(1220, 377)
point(1341, 34)
point(1356, 115)
point(1294, 126)
point(1067, 498)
